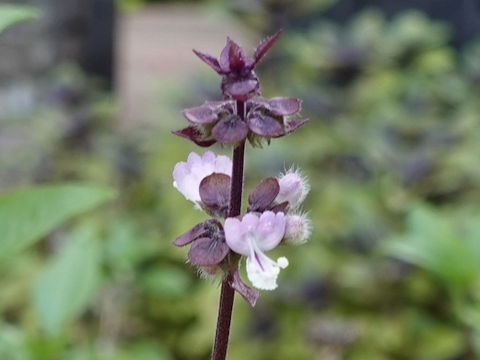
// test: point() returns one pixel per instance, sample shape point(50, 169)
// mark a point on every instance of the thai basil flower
point(253, 235)
point(239, 81)
point(188, 175)
point(217, 121)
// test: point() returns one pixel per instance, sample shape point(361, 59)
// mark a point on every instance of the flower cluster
point(214, 183)
point(272, 218)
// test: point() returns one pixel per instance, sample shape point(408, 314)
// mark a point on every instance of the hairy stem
point(227, 293)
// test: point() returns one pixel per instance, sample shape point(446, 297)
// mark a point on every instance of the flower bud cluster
point(218, 121)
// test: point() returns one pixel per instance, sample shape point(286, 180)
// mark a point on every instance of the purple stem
point(227, 293)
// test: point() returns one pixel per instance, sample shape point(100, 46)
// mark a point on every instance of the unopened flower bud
point(297, 229)
point(293, 188)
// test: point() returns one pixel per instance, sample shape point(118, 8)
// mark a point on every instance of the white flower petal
point(263, 271)
point(188, 175)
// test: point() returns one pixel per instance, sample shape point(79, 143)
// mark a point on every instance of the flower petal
point(284, 105)
point(293, 188)
point(264, 125)
point(263, 271)
point(207, 252)
point(188, 175)
point(193, 134)
point(270, 230)
point(263, 194)
point(183, 182)
point(249, 294)
point(232, 129)
point(235, 236)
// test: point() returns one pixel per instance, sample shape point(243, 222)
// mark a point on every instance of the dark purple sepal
point(210, 228)
point(284, 105)
point(293, 124)
point(265, 125)
point(240, 90)
point(262, 196)
point(193, 134)
point(207, 252)
point(192, 234)
point(265, 45)
point(282, 207)
point(204, 114)
point(209, 60)
point(215, 194)
point(250, 295)
point(230, 130)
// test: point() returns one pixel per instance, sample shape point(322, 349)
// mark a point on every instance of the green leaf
point(12, 14)
point(434, 243)
point(66, 286)
point(28, 214)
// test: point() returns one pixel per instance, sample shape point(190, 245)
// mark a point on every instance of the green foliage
point(432, 241)
point(66, 285)
point(12, 14)
point(28, 214)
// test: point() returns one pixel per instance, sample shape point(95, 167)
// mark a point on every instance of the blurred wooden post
point(84, 32)
point(98, 58)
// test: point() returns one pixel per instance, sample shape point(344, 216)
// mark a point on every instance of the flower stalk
point(215, 185)
point(227, 293)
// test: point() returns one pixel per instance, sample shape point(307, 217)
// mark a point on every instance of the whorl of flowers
point(273, 216)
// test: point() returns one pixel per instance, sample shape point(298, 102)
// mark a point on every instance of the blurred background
point(90, 90)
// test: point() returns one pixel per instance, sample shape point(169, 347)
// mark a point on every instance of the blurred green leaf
point(28, 214)
point(433, 243)
point(12, 14)
point(167, 281)
point(66, 286)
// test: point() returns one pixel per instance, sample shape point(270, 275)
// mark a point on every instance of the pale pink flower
point(293, 188)
point(297, 229)
point(187, 176)
point(253, 235)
